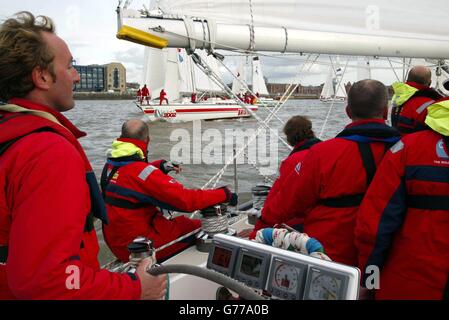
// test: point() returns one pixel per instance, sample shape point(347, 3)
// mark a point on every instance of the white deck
point(188, 287)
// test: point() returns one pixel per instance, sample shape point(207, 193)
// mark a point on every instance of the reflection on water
point(102, 121)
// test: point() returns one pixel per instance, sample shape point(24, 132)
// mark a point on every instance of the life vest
point(364, 135)
point(438, 117)
point(402, 223)
point(403, 93)
point(109, 170)
point(17, 122)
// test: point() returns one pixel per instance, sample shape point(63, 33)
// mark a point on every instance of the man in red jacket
point(327, 187)
point(49, 194)
point(137, 193)
point(145, 94)
point(411, 99)
point(162, 97)
point(300, 136)
point(402, 225)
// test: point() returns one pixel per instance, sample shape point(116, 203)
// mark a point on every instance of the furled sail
point(323, 26)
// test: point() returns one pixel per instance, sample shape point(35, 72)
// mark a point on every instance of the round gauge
point(286, 277)
point(324, 287)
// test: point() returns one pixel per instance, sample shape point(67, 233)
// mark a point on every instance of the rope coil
point(213, 225)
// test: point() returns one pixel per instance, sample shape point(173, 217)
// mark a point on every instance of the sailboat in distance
point(172, 70)
point(259, 85)
point(333, 89)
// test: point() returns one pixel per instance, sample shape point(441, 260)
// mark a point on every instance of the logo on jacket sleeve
point(298, 167)
point(441, 152)
point(397, 147)
point(147, 172)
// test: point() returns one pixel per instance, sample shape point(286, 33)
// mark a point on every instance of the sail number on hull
point(159, 113)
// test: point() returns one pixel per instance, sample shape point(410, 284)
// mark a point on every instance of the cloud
point(89, 27)
point(133, 60)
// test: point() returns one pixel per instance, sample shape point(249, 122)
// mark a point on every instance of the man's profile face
point(60, 93)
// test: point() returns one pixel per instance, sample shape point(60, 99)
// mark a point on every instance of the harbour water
point(102, 121)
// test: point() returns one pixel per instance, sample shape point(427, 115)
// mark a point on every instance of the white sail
point(382, 17)
point(364, 68)
point(161, 71)
point(328, 88)
point(154, 70)
point(202, 82)
point(237, 86)
point(340, 90)
point(172, 76)
point(355, 28)
point(259, 85)
point(186, 71)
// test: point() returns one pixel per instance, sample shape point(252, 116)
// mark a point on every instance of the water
point(102, 121)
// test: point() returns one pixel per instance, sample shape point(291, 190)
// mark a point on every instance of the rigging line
point(254, 165)
point(286, 96)
point(332, 104)
point(403, 70)
point(409, 65)
point(290, 88)
point(397, 77)
point(208, 71)
point(247, 89)
point(220, 173)
point(252, 35)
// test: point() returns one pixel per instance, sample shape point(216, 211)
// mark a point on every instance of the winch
point(214, 220)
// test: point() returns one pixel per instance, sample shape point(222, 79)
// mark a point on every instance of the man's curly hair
point(23, 48)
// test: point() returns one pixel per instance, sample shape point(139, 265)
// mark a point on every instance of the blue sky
point(89, 28)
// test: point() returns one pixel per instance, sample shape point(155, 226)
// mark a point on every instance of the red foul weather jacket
point(327, 187)
point(136, 192)
point(287, 166)
point(46, 229)
point(403, 222)
point(413, 112)
point(145, 92)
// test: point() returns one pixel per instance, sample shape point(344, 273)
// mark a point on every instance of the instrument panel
point(283, 274)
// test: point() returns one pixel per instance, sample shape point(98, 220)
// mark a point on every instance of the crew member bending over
point(137, 193)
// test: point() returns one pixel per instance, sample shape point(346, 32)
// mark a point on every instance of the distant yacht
point(333, 89)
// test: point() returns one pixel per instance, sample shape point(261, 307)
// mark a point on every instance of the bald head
point(135, 129)
point(420, 75)
point(367, 99)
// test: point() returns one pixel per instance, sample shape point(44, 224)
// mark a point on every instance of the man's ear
point(41, 78)
point(348, 112)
